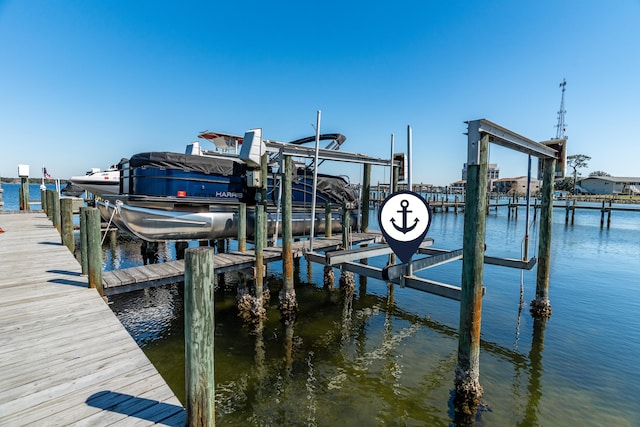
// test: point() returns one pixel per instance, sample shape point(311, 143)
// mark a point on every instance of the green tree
point(575, 162)
point(564, 184)
point(599, 173)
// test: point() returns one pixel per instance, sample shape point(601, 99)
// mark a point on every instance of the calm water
point(388, 358)
point(11, 195)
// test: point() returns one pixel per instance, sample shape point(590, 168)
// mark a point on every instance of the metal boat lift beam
point(340, 256)
point(399, 270)
point(492, 260)
point(504, 137)
point(397, 273)
point(425, 285)
point(323, 154)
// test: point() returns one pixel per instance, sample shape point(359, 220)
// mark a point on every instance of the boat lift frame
point(402, 274)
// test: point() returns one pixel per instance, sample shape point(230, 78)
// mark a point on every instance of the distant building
point(517, 185)
point(458, 186)
point(502, 185)
point(610, 185)
point(497, 184)
point(493, 172)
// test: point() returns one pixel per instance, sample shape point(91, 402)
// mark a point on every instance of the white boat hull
point(219, 222)
point(99, 183)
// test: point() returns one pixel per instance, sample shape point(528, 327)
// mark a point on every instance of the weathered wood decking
point(136, 278)
point(64, 357)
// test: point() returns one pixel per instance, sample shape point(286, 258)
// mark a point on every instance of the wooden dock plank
point(34, 334)
point(37, 363)
point(140, 275)
point(61, 347)
point(135, 278)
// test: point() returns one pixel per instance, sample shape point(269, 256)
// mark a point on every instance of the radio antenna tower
point(561, 126)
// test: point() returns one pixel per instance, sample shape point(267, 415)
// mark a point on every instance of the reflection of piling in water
point(347, 310)
point(181, 247)
point(149, 252)
point(347, 282)
point(288, 347)
point(535, 360)
point(260, 352)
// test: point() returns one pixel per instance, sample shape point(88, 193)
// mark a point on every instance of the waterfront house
point(611, 185)
point(517, 185)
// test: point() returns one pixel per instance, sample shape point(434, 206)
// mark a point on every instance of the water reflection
point(349, 358)
point(152, 314)
point(534, 386)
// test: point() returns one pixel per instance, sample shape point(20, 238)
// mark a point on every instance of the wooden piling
point(541, 307)
point(43, 199)
point(259, 247)
point(395, 177)
point(84, 262)
point(55, 215)
point(94, 249)
point(328, 232)
point(366, 189)
point(345, 227)
point(467, 384)
point(288, 301)
point(24, 194)
point(609, 214)
point(260, 231)
point(49, 196)
point(66, 223)
point(602, 211)
point(287, 235)
point(242, 227)
point(199, 326)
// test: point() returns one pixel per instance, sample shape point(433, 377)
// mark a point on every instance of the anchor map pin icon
point(404, 218)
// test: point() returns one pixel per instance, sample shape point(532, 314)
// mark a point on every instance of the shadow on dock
point(133, 406)
point(82, 281)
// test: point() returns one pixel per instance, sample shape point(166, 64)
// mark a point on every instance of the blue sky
point(85, 83)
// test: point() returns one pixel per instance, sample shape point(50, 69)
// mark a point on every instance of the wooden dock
point(64, 356)
point(136, 278)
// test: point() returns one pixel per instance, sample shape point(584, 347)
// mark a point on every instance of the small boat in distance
point(99, 182)
point(72, 190)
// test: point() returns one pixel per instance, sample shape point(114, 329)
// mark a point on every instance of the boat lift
point(402, 274)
